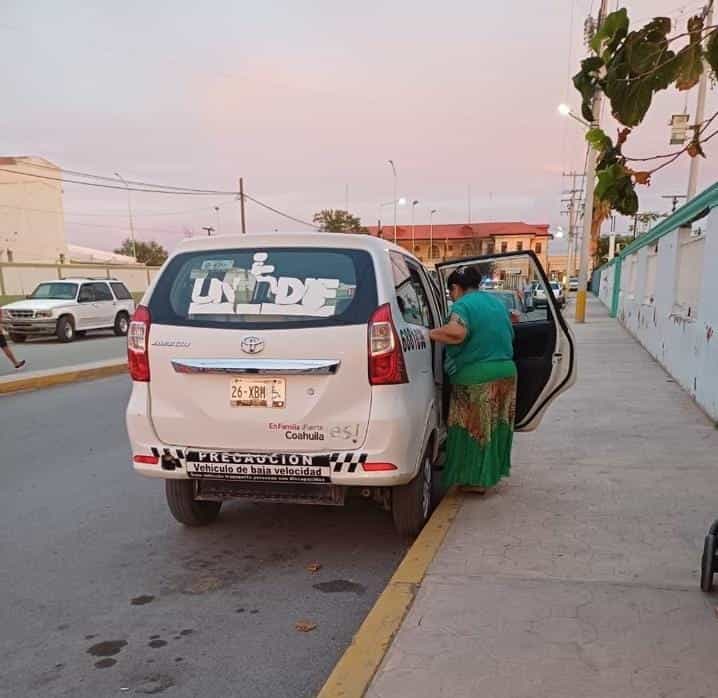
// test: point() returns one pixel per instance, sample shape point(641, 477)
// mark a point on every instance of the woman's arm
point(453, 332)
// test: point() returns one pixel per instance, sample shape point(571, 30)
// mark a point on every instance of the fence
point(17, 279)
point(664, 289)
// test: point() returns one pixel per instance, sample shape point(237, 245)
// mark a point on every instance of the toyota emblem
point(252, 345)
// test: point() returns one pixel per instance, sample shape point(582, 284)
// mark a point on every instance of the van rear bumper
point(388, 442)
point(338, 468)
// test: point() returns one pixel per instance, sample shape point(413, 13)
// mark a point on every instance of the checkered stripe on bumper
point(346, 462)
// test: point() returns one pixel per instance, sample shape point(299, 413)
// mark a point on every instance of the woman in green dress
point(480, 367)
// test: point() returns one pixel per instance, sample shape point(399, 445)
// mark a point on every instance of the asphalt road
point(104, 594)
point(48, 353)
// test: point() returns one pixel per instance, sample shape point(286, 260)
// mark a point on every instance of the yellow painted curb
point(46, 379)
point(356, 668)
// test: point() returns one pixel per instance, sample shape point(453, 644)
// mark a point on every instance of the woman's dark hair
point(465, 278)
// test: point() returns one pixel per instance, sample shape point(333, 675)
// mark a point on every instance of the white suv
point(298, 368)
point(70, 307)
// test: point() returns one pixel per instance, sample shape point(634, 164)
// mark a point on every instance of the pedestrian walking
point(6, 349)
point(482, 373)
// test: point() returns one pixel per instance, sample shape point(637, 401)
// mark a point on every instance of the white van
point(298, 368)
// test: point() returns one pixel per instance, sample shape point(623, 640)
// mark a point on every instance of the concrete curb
point(60, 376)
point(355, 670)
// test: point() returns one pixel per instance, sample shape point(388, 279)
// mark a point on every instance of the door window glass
point(410, 295)
point(102, 292)
point(87, 294)
point(514, 282)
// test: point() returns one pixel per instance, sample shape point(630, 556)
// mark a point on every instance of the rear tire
point(411, 504)
point(18, 338)
point(122, 324)
point(184, 507)
point(65, 329)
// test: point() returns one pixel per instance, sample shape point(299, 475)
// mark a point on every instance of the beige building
point(32, 223)
point(442, 242)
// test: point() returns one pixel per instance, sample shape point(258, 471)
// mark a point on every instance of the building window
point(434, 252)
point(465, 250)
point(480, 247)
point(490, 247)
point(504, 247)
point(417, 248)
point(537, 247)
point(451, 248)
point(520, 246)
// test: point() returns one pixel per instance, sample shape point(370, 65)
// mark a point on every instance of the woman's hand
point(453, 332)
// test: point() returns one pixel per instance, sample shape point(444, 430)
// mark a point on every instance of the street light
point(431, 232)
point(129, 212)
point(393, 170)
point(565, 110)
point(401, 201)
point(413, 238)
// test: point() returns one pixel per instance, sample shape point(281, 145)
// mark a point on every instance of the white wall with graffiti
point(668, 299)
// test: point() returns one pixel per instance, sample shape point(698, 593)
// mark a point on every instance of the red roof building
point(441, 242)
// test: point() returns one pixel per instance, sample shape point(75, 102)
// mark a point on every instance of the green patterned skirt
point(481, 425)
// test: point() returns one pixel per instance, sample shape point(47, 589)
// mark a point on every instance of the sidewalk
point(578, 577)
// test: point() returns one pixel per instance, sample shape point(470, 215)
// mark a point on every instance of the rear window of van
point(258, 288)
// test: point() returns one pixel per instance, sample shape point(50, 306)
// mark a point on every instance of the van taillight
point(386, 359)
point(137, 337)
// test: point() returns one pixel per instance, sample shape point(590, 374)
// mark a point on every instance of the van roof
point(346, 240)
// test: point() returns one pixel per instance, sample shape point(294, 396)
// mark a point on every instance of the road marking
point(355, 670)
point(61, 376)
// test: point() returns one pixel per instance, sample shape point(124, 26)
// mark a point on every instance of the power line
point(176, 191)
point(105, 213)
point(165, 190)
point(281, 213)
point(104, 178)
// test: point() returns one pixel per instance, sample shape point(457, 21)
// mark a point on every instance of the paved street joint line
point(356, 668)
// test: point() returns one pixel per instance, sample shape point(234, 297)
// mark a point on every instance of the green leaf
point(612, 31)
point(630, 100)
point(587, 81)
point(690, 58)
point(598, 139)
point(615, 187)
point(711, 51)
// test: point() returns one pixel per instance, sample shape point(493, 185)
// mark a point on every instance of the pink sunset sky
point(306, 99)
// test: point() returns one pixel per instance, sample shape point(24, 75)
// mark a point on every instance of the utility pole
point(209, 230)
point(129, 213)
point(675, 198)
point(581, 296)
point(396, 200)
point(700, 109)
point(573, 208)
point(241, 205)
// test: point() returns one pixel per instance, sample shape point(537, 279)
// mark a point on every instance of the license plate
point(248, 392)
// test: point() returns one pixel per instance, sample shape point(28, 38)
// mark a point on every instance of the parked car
point(298, 368)
point(573, 283)
point(70, 307)
point(491, 285)
point(514, 304)
point(540, 295)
